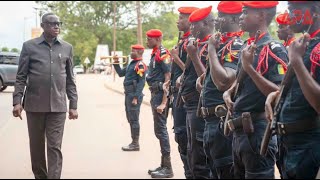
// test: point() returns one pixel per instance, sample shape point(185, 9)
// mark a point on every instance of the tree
point(89, 23)
point(5, 49)
point(15, 50)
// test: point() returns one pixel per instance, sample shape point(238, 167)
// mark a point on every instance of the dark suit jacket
point(48, 76)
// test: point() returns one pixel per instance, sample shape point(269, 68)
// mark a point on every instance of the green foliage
point(5, 49)
point(15, 50)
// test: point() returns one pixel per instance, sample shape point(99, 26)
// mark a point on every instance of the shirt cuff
point(73, 105)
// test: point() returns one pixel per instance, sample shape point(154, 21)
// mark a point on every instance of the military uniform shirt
point(211, 96)
point(191, 74)
point(131, 74)
point(177, 71)
point(296, 107)
point(250, 99)
point(157, 69)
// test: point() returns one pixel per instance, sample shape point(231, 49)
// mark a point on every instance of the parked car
point(8, 69)
point(78, 69)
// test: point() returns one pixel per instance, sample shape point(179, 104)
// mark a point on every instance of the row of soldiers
point(224, 91)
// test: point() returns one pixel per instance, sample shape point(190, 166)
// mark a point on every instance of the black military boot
point(133, 146)
point(166, 171)
point(150, 171)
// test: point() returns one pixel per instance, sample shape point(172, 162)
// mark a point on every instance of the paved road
point(92, 144)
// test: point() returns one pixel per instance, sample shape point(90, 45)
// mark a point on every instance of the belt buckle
point(281, 128)
point(217, 108)
point(204, 112)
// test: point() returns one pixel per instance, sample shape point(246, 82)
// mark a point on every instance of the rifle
point(284, 87)
point(318, 174)
point(239, 83)
point(169, 94)
point(271, 127)
point(179, 101)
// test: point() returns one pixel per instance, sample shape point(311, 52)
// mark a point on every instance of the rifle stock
point(271, 127)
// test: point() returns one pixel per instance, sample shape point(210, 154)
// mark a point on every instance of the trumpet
point(115, 59)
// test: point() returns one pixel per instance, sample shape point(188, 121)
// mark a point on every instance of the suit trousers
point(42, 127)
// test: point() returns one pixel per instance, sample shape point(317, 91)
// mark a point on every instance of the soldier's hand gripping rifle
point(179, 101)
point(239, 83)
point(284, 87)
point(170, 93)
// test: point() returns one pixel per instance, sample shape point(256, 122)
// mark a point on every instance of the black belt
point(212, 111)
point(237, 122)
point(190, 96)
point(296, 127)
point(156, 87)
point(129, 88)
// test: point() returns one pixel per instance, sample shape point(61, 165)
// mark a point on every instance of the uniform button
point(51, 75)
point(51, 50)
point(51, 62)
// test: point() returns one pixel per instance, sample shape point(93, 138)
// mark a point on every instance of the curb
point(145, 102)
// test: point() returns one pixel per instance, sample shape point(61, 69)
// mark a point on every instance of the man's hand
point(160, 108)
point(178, 81)
point(192, 49)
point(271, 99)
point(228, 101)
point(297, 49)
point(73, 114)
point(213, 44)
point(199, 82)
point(247, 56)
point(174, 51)
point(17, 109)
point(134, 101)
point(115, 59)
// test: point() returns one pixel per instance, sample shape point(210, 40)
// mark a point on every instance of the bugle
point(112, 59)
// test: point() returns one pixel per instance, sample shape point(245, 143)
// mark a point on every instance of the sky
point(17, 19)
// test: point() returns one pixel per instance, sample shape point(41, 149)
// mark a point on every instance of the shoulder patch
point(140, 68)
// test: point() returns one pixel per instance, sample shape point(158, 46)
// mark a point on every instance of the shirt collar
point(41, 39)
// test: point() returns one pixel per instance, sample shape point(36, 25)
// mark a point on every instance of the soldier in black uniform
point(264, 64)
point(179, 54)
point(202, 24)
point(219, 76)
point(299, 121)
point(284, 32)
point(159, 73)
point(133, 85)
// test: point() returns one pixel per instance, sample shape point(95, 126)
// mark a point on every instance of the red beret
point(200, 14)
point(187, 10)
point(260, 4)
point(283, 19)
point(137, 46)
point(154, 33)
point(230, 7)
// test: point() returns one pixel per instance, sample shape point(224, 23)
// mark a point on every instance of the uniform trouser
point(301, 156)
point(40, 126)
point(248, 163)
point(179, 116)
point(160, 123)
point(198, 164)
point(132, 113)
point(218, 148)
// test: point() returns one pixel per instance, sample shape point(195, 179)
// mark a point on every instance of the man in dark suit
point(45, 68)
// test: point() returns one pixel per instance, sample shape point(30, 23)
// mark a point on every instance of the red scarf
point(186, 35)
point(137, 59)
point(154, 50)
point(252, 39)
point(204, 48)
point(314, 34)
point(287, 43)
point(226, 36)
